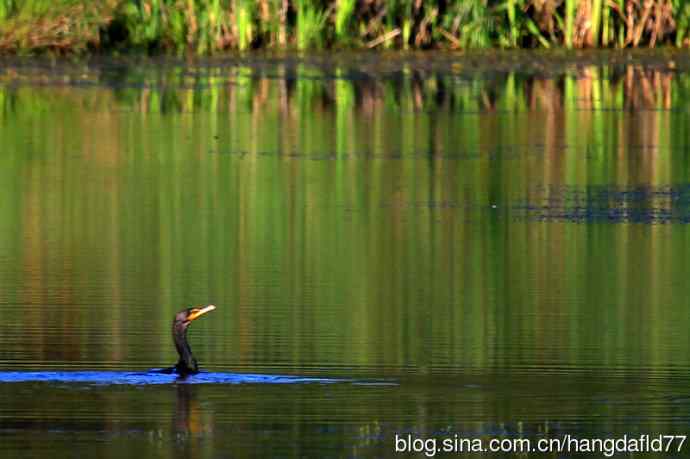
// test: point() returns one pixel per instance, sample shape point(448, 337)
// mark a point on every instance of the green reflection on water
point(354, 223)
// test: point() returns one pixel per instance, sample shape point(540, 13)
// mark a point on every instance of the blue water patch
point(153, 377)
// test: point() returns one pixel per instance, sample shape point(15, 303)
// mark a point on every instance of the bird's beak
point(196, 313)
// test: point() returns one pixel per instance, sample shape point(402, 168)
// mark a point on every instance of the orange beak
point(198, 312)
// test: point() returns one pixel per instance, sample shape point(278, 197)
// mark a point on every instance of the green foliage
point(569, 23)
point(7, 8)
point(343, 18)
point(244, 23)
point(682, 15)
point(473, 21)
point(209, 26)
point(143, 22)
point(310, 24)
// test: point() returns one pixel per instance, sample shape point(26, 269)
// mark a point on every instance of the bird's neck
point(187, 363)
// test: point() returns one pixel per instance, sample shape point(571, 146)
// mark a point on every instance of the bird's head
point(186, 316)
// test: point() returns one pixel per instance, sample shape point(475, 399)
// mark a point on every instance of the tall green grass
point(210, 26)
point(345, 10)
point(311, 21)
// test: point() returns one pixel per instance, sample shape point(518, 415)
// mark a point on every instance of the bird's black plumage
point(187, 364)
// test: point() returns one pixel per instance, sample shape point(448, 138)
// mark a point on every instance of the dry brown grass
point(76, 28)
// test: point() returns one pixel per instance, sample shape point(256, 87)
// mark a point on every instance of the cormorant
point(187, 365)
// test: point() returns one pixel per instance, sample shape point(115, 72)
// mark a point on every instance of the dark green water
point(502, 242)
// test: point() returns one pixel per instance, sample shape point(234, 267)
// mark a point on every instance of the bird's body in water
point(187, 364)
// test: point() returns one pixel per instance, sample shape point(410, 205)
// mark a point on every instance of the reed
point(595, 19)
point(681, 14)
point(569, 23)
point(310, 25)
point(211, 26)
point(244, 24)
point(345, 10)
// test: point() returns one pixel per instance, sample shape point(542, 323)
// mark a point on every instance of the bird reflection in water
point(189, 426)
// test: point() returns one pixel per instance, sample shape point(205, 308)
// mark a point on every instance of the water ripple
point(611, 204)
point(148, 378)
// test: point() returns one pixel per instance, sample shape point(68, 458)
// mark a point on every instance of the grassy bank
point(209, 26)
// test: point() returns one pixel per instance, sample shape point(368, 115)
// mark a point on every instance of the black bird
point(187, 365)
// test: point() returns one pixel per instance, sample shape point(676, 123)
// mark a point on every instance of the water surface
point(501, 240)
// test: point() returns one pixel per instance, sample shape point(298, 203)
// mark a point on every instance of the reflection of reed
point(647, 89)
point(278, 191)
point(450, 88)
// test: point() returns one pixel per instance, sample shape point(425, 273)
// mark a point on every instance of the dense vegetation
point(208, 26)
